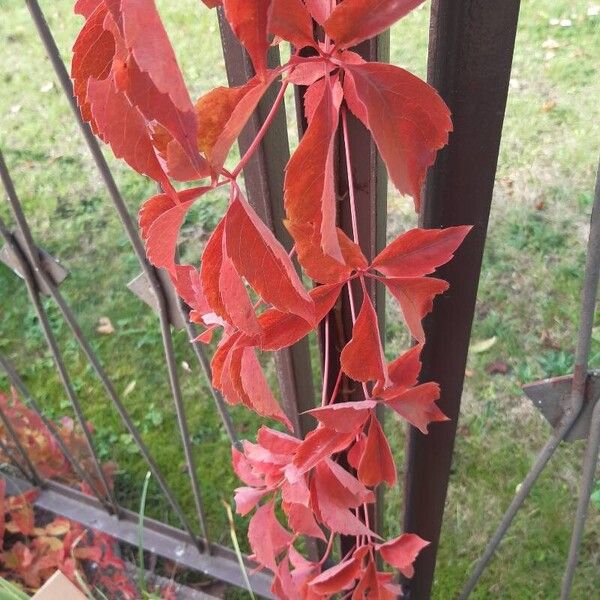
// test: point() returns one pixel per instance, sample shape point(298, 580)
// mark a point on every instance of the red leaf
point(212, 3)
point(362, 358)
point(344, 417)
point(266, 536)
point(355, 453)
point(333, 500)
point(86, 7)
point(290, 20)
point(247, 384)
point(160, 220)
point(302, 521)
point(319, 444)
point(404, 371)
point(353, 21)
point(277, 442)
point(416, 405)
point(223, 113)
point(249, 21)
point(122, 126)
point(281, 329)
point(246, 498)
point(2, 512)
point(377, 462)
point(149, 43)
point(309, 181)
point(402, 552)
point(319, 9)
point(318, 265)
point(415, 295)
point(419, 252)
point(223, 287)
point(407, 118)
point(338, 578)
point(243, 469)
point(262, 261)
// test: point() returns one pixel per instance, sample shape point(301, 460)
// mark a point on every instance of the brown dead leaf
point(105, 327)
point(499, 367)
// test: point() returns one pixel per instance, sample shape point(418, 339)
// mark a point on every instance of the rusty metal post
point(470, 58)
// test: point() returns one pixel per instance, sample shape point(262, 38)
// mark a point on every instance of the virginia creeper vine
point(130, 89)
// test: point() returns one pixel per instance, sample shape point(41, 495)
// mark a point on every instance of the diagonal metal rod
point(17, 382)
point(593, 444)
point(34, 476)
point(149, 271)
point(588, 305)
point(44, 322)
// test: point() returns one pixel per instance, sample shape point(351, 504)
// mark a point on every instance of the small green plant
point(595, 497)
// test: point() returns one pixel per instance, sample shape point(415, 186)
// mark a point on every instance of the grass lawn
point(527, 309)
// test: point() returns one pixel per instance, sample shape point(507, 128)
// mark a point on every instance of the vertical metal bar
point(590, 294)
point(34, 476)
point(470, 57)
point(264, 177)
point(54, 55)
point(32, 252)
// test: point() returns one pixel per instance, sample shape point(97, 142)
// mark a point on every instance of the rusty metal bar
point(149, 271)
point(590, 293)
point(470, 57)
point(159, 539)
point(580, 376)
point(32, 253)
point(264, 176)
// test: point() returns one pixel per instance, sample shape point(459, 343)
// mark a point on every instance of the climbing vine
point(247, 288)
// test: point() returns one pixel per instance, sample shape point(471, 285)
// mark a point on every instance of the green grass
point(528, 297)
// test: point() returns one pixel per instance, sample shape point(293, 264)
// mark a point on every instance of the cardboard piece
point(59, 586)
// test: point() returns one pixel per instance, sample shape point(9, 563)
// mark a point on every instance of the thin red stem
point(350, 176)
point(325, 363)
point(262, 132)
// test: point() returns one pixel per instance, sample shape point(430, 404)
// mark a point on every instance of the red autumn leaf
point(123, 127)
point(402, 552)
point(301, 520)
point(318, 445)
point(245, 382)
point(309, 181)
point(344, 417)
point(249, 21)
point(289, 19)
point(356, 451)
point(306, 72)
point(246, 499)
point(318, 265)
point(296, 493)
point(419, 252)
point(338, 578)
point(160, 221)
point(243, 469)
point(223, 287)
point(377, 462)
point(319, 9)
point(283, 583)
point(2, 511)
point(415, 295)
point(262, 261)
point(277, 442)
point(282, 329)
point(416, 405)
point(353, 21)
point(266, 536)
point(86, 7)
point(213, 3)
point(407, 118)
point(362, 358)
point(404, 371)
point(146, 38)
point(333, 499)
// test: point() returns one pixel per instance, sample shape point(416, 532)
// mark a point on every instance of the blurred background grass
point(526, 315)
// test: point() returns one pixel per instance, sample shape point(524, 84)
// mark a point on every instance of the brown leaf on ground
point(499, 367)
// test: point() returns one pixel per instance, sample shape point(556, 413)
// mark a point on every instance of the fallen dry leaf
point(105, 327)
point(498, 368)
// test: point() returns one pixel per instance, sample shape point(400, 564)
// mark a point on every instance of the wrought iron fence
point(471, 46)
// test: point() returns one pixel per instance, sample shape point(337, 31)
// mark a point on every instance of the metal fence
point(471, 46)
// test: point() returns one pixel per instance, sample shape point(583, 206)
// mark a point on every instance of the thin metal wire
point(593, 444)
point(588, 306)
point(51, 340)
point(34, 476)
